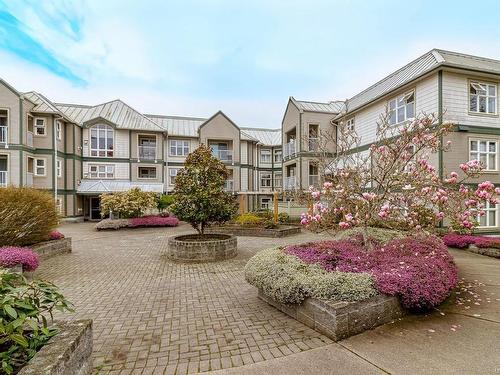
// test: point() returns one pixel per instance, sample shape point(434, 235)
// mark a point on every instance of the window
point(101, 141)
point(40, 126)
point(265, 203)
point(147, 172)
point(4, 123)
point(482, 97)
point(278, 178)
point(485, 151)
point(59, 130)
point(402, 108)
point(59, 168)
point(265, 156)
point(172, 174)
point(147, 147)
point(179, 148)
point(349, 124)
point(40, 169)
point(489, 219)
point(102, 171)
point(278, 156)
point(265, 179)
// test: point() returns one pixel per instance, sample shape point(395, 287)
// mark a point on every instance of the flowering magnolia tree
point(393, 184)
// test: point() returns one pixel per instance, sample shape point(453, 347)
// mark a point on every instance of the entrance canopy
point(113, 186)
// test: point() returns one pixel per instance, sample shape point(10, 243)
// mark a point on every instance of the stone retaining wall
point(185, 249)
point(488, 251)
point(49, 249)
point(258, 232)
point(339, 320)
point(67, 353)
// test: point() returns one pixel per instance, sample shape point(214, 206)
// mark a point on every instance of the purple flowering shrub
point(419, 270)
point(153, 221)
point(55, 235)
point(11, 256)
point(463, 241)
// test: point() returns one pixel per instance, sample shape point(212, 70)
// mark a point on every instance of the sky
point(193, 58)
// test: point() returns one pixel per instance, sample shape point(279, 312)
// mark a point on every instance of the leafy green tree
point(199, 196)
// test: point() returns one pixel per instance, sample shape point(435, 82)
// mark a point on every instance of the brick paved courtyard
point(152, 316)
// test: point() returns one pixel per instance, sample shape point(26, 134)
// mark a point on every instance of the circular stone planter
point(211, 247)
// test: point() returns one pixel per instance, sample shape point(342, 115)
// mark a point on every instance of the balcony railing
point(224, 155)
point(314, 180)
point(3, 134)
point(290, 183)
point(229, 185)
point(147, 152)
point(4, 178)
point(313, 144)
point(29, 179)
point(29, 139)
point(289, 150)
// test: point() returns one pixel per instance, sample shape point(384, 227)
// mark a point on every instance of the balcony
point(229, 185)
point(313, 144)
point(147, 152)
point(29, 179)
point(223, 155)
point(290, 183)
point(314, 180)
point(3, 134)
point(289, 149)
point(4, 178)
point(29, 139)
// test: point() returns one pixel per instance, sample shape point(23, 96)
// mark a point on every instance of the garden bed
point(210, 247)
point(138, 222)
point(489, 246)
point(339, 320)
point(48, 249)
point(241, 230)
point(67, 353)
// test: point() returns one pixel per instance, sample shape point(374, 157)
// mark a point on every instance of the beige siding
point(10, 101)
point(244, 179)
point(44, 141)
point(244, 152)
point(193, 144)
point(135, 143)
point(219, 128)
point(135, 172)
point(121, 169)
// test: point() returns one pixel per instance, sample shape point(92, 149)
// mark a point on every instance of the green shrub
point(164, 202)
point(127, 204)
point(249, 219)
point(283, 218)
point(24, 310)
point(27, 216)
point(270, 224)
point(379, 235)
point(288, 280)
point(264, 213)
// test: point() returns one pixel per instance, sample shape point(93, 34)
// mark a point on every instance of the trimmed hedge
point(288, 280)
point(463, 241)
point(379, 236)
point(139, 222)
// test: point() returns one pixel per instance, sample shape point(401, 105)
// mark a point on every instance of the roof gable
point(222, 114)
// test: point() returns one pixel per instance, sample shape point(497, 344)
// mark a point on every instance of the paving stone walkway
point(152, 316)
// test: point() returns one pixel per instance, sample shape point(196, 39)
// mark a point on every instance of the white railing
point(313, 144)
point(314, 180)
point(3, 134)
point(224, 155)
point(29, 179)
point(289, 149)
point(147, 152)
point(29, 139)
point(4, 178)
point(229, 185)
point(290, 183)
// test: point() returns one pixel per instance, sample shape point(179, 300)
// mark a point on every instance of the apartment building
point(456, 87)
point(79, 152)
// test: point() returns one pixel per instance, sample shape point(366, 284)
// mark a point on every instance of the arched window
point(101, 141)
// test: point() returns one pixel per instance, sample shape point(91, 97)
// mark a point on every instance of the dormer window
point(402, 108)
point(482, 97)
point(101, 141)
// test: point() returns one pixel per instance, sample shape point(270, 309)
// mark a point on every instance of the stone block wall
point(49, 249)
point(188, 249)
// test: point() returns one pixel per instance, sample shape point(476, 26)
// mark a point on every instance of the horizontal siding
point(122, 170)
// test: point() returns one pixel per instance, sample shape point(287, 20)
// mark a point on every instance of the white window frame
point(59, 130)
point(278, 177)
point(172, 173)
point(278, 156)
point(350, 124)
point(262, 179)
point(481, 85)
point(487, 209)
point(487, 153)
point(394, 107)
point(107, 129)
point(59, 205)
point(43, 126)
point(36, 166)
point(179, 144)
point(268, 156)
point(7, 123)
point(147, 178)
point(95, 172)
point(59, 166)
point(265, 202)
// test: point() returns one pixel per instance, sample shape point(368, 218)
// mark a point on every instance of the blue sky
point(245, 58)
